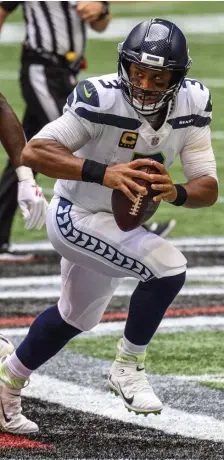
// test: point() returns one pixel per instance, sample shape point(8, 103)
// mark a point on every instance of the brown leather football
point(129, 215)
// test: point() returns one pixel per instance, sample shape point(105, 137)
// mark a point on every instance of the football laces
point(137, 205)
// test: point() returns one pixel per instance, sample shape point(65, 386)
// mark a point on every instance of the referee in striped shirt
point(52, 56)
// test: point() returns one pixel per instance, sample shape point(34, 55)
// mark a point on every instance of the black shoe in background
point(9, 256)
point(160, 229)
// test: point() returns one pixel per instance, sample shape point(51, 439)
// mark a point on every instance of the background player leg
point(84, 297)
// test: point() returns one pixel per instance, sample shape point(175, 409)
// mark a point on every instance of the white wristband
point(24, 173)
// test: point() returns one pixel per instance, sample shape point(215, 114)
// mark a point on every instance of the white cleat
point(11, 418)
point(6, 347)
point(128, 379)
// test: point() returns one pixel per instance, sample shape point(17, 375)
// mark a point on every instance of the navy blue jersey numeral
point(192, 82)
point(110, 84)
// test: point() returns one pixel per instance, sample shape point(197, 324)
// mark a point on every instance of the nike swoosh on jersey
point(87, 94)
point(7, 419)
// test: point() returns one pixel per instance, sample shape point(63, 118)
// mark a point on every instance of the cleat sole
point(143, 413)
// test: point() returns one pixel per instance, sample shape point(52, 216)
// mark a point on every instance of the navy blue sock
point(148, 305)
point(47, 335)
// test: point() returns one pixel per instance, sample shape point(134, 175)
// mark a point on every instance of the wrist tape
point(24, 173)
point(181, 195)
point(92, 171)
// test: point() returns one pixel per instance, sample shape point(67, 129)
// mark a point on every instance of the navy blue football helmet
point(156, 44)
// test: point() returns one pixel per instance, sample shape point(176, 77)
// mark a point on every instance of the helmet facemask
point(130, 91)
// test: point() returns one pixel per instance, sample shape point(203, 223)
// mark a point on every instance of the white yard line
point(210, 82)
point(218, 135)
point(211, 24)
point(77, 397)
point(117, 327)
point(213, 273)
point(192, 243)
point(53, 293)
point(126, 288)
point(200, 378)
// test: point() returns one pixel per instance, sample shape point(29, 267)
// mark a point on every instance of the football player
point(30, 197)
point(148, 113)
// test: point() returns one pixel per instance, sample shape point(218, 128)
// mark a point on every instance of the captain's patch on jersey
point(128, 140)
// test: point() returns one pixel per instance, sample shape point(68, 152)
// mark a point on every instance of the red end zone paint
point(172, 312)
point(113, 316)
point(12, 441)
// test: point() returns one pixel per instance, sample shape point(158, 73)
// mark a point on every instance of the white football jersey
point(119, 134)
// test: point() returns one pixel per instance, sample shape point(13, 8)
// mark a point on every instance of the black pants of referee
point(45, 89)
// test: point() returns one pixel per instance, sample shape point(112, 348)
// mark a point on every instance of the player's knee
point(83, 319)
point(87, 322)
point(167, 260)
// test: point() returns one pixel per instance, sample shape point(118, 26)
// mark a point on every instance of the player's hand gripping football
point(32, 204)
point(122, 177)
point(164, 184)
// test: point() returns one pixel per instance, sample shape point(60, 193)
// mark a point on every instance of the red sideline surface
point(12, 441)
point(116, 316)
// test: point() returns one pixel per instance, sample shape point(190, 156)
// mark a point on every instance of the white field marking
point(53, 293)
point(117, 327)
point(203, 243)
point(8, 75)
point(213, 82)
point(218, 135)
point(210, 82)
point(212, 24)
point(216, 378)
point(14, 331)
point(52, 280)
point(214, 273)
point(77, 397)
point(177, 324)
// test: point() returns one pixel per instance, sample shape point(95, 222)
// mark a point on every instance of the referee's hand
point(89, 11)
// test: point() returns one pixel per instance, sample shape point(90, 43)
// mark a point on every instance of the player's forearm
point(11, 132)
point(201, 192)
point(52, 159)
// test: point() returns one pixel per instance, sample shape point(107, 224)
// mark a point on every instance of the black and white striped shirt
point(52, 26)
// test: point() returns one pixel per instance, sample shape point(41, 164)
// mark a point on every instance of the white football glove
point(32, 204)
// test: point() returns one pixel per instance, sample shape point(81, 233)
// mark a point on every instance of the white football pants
point(96, 255)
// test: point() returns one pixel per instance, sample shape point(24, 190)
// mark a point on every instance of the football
point(6, 347)
point(129, 215)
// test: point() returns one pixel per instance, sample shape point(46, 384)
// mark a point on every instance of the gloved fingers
point(24, 209)
point(35, 213)
point(42, 219)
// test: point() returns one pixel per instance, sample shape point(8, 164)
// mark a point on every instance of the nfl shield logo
point(155, 140)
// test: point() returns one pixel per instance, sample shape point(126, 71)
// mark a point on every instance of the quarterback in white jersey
point(147, 113)
point(114, 132)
